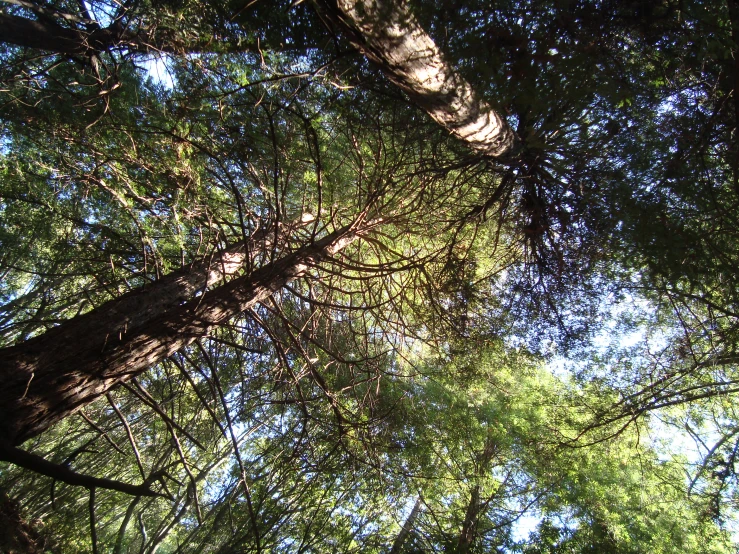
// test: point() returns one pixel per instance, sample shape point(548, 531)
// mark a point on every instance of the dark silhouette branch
point(63, 473)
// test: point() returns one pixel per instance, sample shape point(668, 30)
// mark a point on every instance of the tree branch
point(62, 473)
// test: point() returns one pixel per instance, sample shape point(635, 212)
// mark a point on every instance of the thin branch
point(93, 530)
point(62, 473)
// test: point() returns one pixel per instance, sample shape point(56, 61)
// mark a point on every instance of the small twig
point(131, 439)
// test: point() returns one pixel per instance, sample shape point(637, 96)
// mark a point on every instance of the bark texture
point(51, 376)
point(388, 34)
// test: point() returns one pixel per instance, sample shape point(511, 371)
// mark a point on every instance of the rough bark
point(390, 36)
point(51, 376)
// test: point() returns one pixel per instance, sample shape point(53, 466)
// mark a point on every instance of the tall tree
point(288, 396)
point(51, 376)
point(390, 36)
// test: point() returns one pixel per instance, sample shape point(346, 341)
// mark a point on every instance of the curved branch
point(62, 473)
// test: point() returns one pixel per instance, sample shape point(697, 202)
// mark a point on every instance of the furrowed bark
point(387, 33)
point(140, 305)
point(49, 377)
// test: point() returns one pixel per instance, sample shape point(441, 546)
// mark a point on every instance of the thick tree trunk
point(468, 534)
point(51, 376)
point(389, 35)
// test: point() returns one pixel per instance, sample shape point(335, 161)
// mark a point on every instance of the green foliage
point(422, 365)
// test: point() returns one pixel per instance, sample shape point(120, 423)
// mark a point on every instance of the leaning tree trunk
point(388, 34)
point(407, 528)
point(49, 377)
point(52, 37)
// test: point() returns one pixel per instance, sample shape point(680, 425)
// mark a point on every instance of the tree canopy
point(369, 276)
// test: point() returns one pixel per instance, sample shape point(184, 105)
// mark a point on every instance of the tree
point(389, 35)
point(110, 361)
point(49, 377)
point(248, 369)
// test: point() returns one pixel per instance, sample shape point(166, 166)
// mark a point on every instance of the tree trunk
point(468, 534)
point(47, 35)
point(389, 36)
point(407, 528)
point(51, 376)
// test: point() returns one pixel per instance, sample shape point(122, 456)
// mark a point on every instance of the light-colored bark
point(407, 527)
point(51, 376)
point(390, 36)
